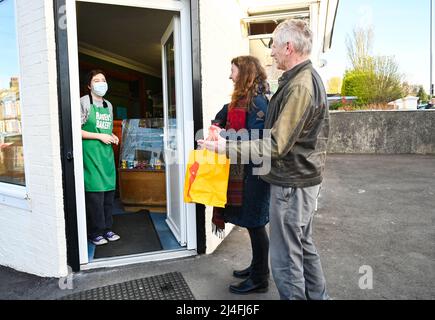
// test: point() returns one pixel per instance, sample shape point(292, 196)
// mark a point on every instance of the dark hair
point(89, 78)
point(92, 74)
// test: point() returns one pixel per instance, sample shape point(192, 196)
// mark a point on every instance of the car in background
point(425, 106)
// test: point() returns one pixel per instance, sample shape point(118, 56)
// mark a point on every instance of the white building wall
point(221, 41)
point(34, 240)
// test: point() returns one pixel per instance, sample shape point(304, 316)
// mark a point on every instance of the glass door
point(173, 131)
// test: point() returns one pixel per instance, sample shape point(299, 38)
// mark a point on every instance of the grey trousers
point(295, 263)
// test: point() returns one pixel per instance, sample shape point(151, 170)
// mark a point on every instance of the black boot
point(249, 286)
point(242, 273)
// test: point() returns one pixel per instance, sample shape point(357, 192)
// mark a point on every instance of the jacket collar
point(290, 74)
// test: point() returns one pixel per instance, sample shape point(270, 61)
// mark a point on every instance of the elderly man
point(298, 120)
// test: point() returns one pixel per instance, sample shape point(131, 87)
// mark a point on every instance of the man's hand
point(218, 146)
point(213, 133)
point(5, 145)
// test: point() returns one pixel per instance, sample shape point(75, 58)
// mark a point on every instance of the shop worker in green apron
point(98, 159)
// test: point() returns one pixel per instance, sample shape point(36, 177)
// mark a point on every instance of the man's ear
point(289, 48)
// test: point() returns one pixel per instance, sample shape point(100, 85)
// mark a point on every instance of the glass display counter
point(141, 169)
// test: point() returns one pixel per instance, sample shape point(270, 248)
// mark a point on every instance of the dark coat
point(254, 212)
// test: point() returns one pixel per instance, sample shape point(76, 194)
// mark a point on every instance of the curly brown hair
point(250, 82)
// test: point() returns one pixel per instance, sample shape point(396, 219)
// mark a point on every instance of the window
point(11, 142)
point(260, 27)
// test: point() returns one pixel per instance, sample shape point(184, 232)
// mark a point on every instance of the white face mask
point(100, 88)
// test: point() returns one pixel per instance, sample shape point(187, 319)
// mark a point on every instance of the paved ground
point(374, 210)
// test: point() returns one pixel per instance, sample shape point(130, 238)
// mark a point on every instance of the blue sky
point(401, 29)
point(8, 49)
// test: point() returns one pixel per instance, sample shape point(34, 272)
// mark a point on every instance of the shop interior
point(125, 42)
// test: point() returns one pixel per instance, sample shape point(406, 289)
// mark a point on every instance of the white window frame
point(277, 16)
point(13, 195)
point(272, 17)
point(183, 7)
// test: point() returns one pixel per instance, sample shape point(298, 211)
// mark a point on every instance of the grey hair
point(297, 32)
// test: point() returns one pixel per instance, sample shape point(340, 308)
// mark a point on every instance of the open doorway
point(137, 48)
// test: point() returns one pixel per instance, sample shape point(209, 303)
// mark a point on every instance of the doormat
point(138, 235)
point(169, 286)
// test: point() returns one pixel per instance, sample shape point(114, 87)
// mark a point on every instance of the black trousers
point(99, 206)
point(260, 254)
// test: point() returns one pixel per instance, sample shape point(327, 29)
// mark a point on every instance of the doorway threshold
point(138, 258)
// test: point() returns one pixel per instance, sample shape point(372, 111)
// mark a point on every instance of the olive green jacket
point(298, 119)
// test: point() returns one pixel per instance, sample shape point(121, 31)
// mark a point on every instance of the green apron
point(98, 158)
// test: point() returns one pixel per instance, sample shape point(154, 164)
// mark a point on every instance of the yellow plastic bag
point(207, 178)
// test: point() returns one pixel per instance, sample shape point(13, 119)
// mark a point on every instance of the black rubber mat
point(137, 233)
point(169, 286)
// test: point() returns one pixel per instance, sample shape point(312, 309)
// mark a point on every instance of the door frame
point(179, 230)
point(69, 11)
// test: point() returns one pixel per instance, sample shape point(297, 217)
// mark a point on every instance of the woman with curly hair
point(248, 195)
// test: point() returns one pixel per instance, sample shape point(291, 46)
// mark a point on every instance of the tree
point(422, 95)
point(416, 91)
point(359, 47)
point(334, 85)
point(359, 83)
point(373, 79)
point(388, 80)
point(409, 89)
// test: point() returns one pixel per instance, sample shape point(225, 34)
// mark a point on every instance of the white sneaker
point(111, 236)
point(99, 240)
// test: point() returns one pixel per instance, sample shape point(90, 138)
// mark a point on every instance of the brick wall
point(33, 240)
